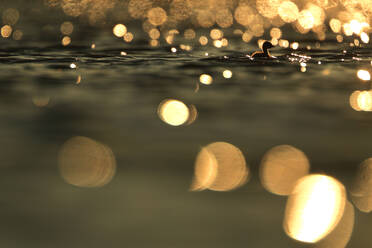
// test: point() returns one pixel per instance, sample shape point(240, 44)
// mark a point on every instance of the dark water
point(148, 203)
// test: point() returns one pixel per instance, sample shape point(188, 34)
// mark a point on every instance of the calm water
point(148, 203)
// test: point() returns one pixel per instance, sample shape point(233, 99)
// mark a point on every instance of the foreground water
point(113, 98)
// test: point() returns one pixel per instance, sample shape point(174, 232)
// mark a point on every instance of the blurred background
point(146, 123)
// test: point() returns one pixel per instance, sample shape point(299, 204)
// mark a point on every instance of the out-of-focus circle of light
point(227, 74)
point(220, 166)
point(157, 16)
point(364, 75)
point(335, 25)
point(306, 19)
point(128, 37)
point(288, 11)
point(173, 112)
point(283, 160)
point(268, 8)
point(205, 18)
point(364, 100)
point(206, 79)
point(6, 31)
point(224, 18)
point(66, 41)
point(353, 100)
point(244, 15)
point(341, 235)
point(119, 30)
point(84, 162)
point(67, 28)
point(205, 170)
point(314, 208)
point(203, 40)
point(216, 34)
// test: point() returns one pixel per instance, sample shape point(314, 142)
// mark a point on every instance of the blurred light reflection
point(220, 166)
point(281, 167)
point(314, 208)
point(84, 162)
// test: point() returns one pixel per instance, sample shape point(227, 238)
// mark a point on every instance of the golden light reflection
point(66, 41)
point(227, 74)
point(6, 31)
point(288, 11)
point(206, 79)
point(335, 25)
point(361, 190)
point(364, 75)
point(281, 167)
point(364, 100)
point(119, 30)
point(203, 40)
point(353, 100)
point(364, 37)
point(173, 112)
point(314, 208)
point(341, 235)
point(220, 166)
point(157, 16)
point(85, 162)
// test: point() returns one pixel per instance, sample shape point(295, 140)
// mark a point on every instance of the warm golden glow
point(206, 79)
point(128, 37)
point(244, 15)
point(279, 161)
point(295, 45)
point(157, 16)
point(314, 208)
point(335, 25)
point(288, 11)
point(306, 19)
point(227, 74)
point(341, 235)
point(84, 162)
point(364, 75)
point(6, 31)
point(203, 40)
point(66, 41)
point(364, 37)
point(220, 166)
point(173, 112)
point(276, 33)
point(353, 100)
point(154, 34)
point(216, 34)
point(119, 30)
point(268, 8)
